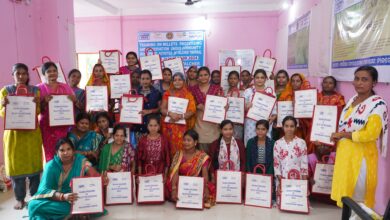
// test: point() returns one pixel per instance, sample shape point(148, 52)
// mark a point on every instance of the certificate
point(97, 98)
point(131, 105)
point(324, 123)
point(150, 189)
point(90, 193)
point(285, 108)
point(236, 110)
point(294, 196)
point(214, 109)
point(225, 70)
point(119, 85)
point(61, 111)
point(304, 102)
point(265, 63)
point(177, 105)
point(258, 190)
point(262, 105)
point(20, 113)
point(190, 192)
point(153, 64)
point(229, 187)
point(120, 188)
point(323, 176)
point(110, 61)
point(175, 65)
point(61, 76)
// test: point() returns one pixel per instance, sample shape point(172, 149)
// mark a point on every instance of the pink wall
point(32, 31)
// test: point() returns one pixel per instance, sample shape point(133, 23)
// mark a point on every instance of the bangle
point(62, 197)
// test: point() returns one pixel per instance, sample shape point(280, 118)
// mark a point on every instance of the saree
point(89, 142)
point(54, 179)
point(80, 97)
point(122, 157)
point(175, 132)
point(51, 135)
point(22, 149)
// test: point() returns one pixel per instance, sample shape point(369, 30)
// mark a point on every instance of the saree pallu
point(91, 141)
point(80, 96)
point(122, 157)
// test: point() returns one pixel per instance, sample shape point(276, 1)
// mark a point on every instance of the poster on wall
point(188, 45)
point(361, 36)
point(243, 57)
point(298, 43)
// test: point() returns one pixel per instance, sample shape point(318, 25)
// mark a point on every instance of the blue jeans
point(19, 186)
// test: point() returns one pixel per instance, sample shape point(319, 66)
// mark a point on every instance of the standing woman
point(74, 78)
point(282, 79)
point(174, 132)
point(234, 91)
point(163, 85)
point(246, 80)
point(50, 135)
point(216, 77)
point(260, 77)
point(362, 121)
point(192, 76)
point(132, 64)
point(22, 149)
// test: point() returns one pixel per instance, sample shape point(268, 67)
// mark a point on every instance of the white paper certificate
point(119, 188)
point(175, 65)
point(264, 63)
point(258, 190)
point(294, 196)
point(285, 108)
point(179, 106)
point(324, 123)
point(304, 103)
point(214, 110)
point(61, 111)
point(130, 108)
point(20, 113)
point(225, 70)
point(97, 98)
point(236, 111)
point(153, 64)
point(228, 187)
point(61, 76)
point(150, 189)
point(190, 192)
point(323, 176)
point(89, 191)
point(262, 106)
point(119, 85)
point(110, 60)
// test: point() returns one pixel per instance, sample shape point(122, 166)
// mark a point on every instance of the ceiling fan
point(191, 2)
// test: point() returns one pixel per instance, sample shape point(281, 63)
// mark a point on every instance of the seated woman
point(54, 197)
point(190, 162)
point(86, 142)
point(103, 125)
point(117, 156)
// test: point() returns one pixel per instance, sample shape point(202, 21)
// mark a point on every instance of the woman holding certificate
point(132, 64)
point(54, 197)
point(363, 120)
point(234, 91)
point(22, 148)
point(74, 78)
point(86, 142)
point(209, 131)
point(170, 126)
point(163, 85)
point(50, 135)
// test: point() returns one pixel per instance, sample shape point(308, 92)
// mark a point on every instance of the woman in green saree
point(54, 197)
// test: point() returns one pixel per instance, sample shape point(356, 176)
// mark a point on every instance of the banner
point(361, 36)
point(298, 43)
point(244, 58)
point(188, 45)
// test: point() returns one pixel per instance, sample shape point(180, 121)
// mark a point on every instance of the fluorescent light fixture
point(286, 5)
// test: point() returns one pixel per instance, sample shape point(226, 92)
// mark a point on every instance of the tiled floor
point(167, 211)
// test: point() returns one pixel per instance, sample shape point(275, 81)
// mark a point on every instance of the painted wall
point(43, 28)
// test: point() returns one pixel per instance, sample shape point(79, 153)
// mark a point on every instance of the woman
point(132, 64)
point(260, 78)
point(209, 131)
point(163, 85)
point(192, 76)
point(290, 153)
point(117, 156)
point(246, 80)
point(172, 131)
point(50, 135)
point(103, 125)
point(74, 78)
point(191, 162)
point(234, 91)
point(152, 101)
point(226, 149)
point(362, 121)
point(135, 80)
point(54, 197)
point(216, 77)
point(282, 79)
point(86, 142)
point(22, 149)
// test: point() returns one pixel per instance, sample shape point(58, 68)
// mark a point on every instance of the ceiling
point(91, 8)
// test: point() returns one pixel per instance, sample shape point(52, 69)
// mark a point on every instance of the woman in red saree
point(191, 162)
